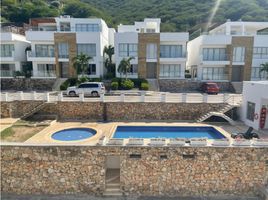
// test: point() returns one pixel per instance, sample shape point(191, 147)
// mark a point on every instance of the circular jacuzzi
point(73, 134)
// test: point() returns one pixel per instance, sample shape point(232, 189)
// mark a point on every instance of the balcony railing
point(46, 74)
point(223, 57)
point(7, 73)
point(32, 54)
point(7, 55)
point(63, 56)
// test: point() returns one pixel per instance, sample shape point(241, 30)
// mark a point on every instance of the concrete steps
point(112, 189)
point(34, 110)
point(57, 84)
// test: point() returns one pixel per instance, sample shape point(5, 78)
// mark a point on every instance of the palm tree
point(264, 68)
point(109, 51)
point(81, 63)
point(124, 66)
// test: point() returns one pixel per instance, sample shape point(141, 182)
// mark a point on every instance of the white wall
point(255, 92)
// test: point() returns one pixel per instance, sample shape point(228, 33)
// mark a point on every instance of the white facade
point(126, 45)
point(208, 57)
point(91, 33)
point(255, 97)
point(13, 54)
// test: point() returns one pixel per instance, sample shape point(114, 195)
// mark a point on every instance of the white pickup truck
point(88, 88)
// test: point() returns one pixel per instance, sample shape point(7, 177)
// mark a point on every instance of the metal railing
point(233, 99)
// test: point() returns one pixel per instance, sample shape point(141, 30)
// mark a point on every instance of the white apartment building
point(232, 51)
point(156, 55)
point(12, 55)
point(56, 41)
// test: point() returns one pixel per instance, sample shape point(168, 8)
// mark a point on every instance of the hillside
point(176, 15)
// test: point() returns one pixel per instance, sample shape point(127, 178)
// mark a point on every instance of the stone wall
point(22, 84)
point(16, 109)
point(200, 171)
point(171, 85)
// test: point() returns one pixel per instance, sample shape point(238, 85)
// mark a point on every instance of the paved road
point(86, 197)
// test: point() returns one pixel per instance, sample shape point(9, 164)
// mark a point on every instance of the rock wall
point(22, 84)
point(186, 86)
point(200, 171)
point(114, 111)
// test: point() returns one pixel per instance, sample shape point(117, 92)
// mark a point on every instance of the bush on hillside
point(127, 84)
point(114, 85)
point(144, 86)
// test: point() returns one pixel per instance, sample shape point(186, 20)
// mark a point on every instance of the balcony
point(32, 56)
point(40, 35)
point(7, 73)
point(45, 74)
point(8, 57)
point(221, 60)
point(180, 58)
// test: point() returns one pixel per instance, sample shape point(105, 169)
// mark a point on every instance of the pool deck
point(103, 129)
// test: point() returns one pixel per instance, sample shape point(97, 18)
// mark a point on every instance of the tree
point(124, 66)
point(109, 51)
point(264, 68)
point(81, 63)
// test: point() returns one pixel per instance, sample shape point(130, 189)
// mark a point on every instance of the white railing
point(233, 99)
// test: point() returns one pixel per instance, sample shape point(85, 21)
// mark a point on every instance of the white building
point(13, 46)
point(156, 55)
point(232, 51)
point(56, 41)
point(255, 98)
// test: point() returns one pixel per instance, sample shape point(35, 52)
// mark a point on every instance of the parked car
point(88, 88)
point(210, 88)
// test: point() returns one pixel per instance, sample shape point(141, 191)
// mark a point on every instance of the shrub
point(127, 84)
point(72, 81)
point(114, 85)
point(188, 76)
point(109, 75)
point(94, 80)
point(144, 86)
point(64, 85)
point(82, 79)
point(18, 73)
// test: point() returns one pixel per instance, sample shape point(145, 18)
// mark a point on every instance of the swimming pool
point(73, 134)
point(167, 132)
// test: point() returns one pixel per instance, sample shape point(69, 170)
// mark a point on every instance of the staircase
point(153, 84)
point(219, 113)
point(34, 110)
point(57, 84)
point(238, 87)
point(112, 186)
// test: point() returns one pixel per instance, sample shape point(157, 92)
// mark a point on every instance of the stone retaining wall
point(114, 111)
point(189, 171)
point(22, 84)
point(186, 86)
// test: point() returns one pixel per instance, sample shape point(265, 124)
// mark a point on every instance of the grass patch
point(19, 133)
point(8, 132)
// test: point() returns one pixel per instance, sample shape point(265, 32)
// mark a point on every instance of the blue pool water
point(73, 134)
point(166, 132)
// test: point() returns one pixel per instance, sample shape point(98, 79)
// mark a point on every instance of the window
point(44, 50)
point(150, 30)
point(214, 54)
point(46, 70)
point(214, 73)
point(6, 50)
point(260, 52)
point(256, 74)
point(170, 51)
point(239, 54)
point(88, 85)
point(63, 50)
point(7, 70)
point(133, 69)
point(151, 51)
point(128, 50)
point(250, 111)
point(92, 69)
point(170, 71)
point(65, 26)
point(88, 49)
point(87, 27)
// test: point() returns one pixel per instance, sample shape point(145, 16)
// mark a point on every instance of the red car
point(210, 88)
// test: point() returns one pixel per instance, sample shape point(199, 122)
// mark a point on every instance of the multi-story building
point(156, 55)
point(232, 52)
point(13, 46)
point(56, 41)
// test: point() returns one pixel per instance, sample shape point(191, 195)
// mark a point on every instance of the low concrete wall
point(186, 86)
point(200, 171)
point(22, 84)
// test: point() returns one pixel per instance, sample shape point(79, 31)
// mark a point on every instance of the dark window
point(92, 69)
point(135, 156)
point(82, 86)
point(250, 111)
